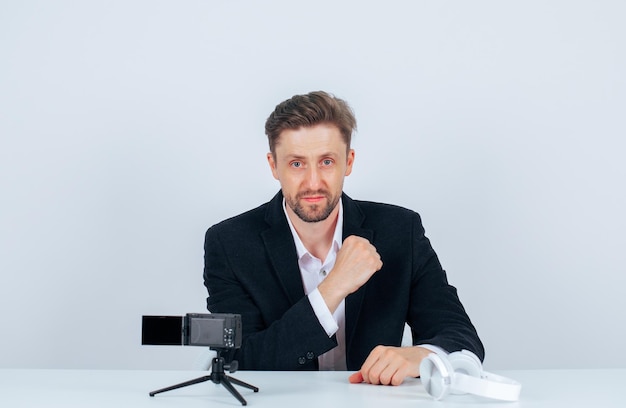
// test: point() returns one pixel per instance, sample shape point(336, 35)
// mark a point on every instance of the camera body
point(215, 330)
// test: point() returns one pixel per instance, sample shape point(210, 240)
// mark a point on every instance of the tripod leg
point(226, 383)
point(181, 385)
point(241, 383)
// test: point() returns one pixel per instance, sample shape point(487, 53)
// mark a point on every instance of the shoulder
point(244, 223)
point(387, 221)
point(252, 222)
point(385, 212)
point(373, 206)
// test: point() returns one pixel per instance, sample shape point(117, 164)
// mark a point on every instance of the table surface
point(130, 388)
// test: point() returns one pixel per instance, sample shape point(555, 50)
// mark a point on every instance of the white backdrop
point(129, 127)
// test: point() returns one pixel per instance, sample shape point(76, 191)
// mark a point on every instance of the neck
point(317, 237)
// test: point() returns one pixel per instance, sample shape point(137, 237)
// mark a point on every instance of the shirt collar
point(300, 248)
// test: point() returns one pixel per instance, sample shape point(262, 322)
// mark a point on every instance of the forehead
point(309, 141)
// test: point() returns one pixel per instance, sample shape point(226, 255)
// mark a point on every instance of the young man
point(323, 281)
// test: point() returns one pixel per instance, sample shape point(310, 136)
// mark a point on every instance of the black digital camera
point(218, 331)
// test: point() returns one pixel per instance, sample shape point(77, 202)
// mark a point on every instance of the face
point(310, 164)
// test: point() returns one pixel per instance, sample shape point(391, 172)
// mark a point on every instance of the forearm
point(436, 314)
point(438, 317)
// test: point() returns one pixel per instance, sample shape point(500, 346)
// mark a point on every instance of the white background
point(129, 127)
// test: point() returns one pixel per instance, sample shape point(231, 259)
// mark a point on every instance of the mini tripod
point(218, 377)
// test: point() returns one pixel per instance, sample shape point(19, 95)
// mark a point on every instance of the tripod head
point(224, 360)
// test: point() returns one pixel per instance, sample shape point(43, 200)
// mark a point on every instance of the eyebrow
point(301, 157)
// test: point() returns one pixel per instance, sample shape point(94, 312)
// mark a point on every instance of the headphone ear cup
point(436, 375)
point(465, 362)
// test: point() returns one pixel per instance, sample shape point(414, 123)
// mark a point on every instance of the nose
point(313, 179)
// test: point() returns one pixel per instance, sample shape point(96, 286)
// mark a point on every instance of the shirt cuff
point(322, 312)
point(434, 349)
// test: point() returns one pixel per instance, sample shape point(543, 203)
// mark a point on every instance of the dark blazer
point(251, 268)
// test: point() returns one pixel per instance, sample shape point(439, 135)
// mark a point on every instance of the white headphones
point(462, 373)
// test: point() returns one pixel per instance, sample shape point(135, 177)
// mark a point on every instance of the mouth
point(313, 199)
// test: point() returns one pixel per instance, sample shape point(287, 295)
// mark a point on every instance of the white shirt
point(314, 271)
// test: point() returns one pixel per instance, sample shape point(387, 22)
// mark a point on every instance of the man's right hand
point(356, 262)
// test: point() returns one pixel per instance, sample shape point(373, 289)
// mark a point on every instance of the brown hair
point(309, 110)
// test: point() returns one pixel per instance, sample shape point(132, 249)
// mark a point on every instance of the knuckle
point(379, 349)
point(352, 239)
point(385, 379)
point(375, 378)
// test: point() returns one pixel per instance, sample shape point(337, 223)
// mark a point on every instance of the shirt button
point(310, 355)
point(324, 273)
point(301, 360)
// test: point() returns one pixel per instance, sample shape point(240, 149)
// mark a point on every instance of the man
point(323, 281)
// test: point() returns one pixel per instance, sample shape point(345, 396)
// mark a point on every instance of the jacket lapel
point(282, 250)
point(353, 219)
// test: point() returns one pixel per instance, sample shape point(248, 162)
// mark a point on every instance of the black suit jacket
point(251, 268)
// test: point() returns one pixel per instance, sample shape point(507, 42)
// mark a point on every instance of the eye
point(296, 164)
point(327, 162)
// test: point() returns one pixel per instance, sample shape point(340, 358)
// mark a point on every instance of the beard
point(314, 212)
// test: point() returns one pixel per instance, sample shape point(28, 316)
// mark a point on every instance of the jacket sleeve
point(277, 335)
point(436, 315)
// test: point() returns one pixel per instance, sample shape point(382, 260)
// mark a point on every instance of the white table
point(127, 388)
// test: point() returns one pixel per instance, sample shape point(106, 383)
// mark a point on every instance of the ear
point(272, 163)
point(350, 161)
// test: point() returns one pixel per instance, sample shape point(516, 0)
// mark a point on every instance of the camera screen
point(206, 331)
point(162, 330)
